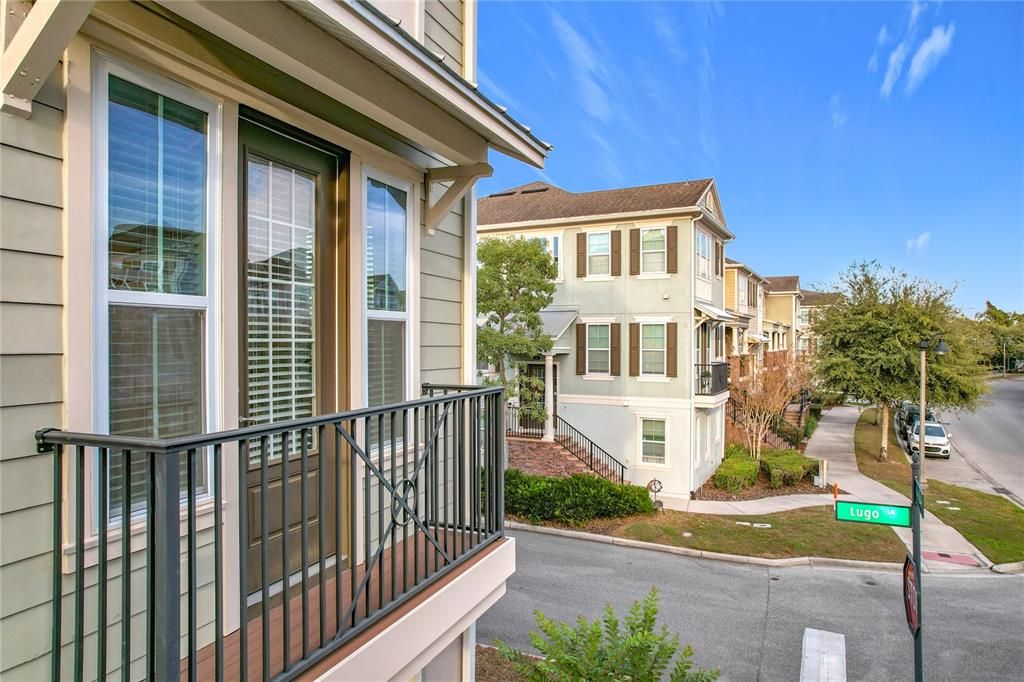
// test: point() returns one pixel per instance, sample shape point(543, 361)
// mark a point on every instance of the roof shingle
point(813, 298)
point(783, 283)
point(541, 201)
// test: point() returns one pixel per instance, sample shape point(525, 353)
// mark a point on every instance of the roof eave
point(682, 212)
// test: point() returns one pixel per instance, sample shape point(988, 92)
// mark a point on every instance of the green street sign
point(867, 512)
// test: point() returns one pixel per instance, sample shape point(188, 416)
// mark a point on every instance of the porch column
point(549, 397)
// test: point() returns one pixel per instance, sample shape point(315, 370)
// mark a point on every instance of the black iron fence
point(711, 378)
point(338, 520)
point(772, 438)
point(524, 422)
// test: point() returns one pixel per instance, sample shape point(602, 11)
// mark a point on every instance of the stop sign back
point(910, 588)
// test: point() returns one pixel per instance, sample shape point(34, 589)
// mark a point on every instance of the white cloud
point(894, 68)
point(835, 107)
point(916, 8)
point(665, 30)
point(883, 38)
point(587, 69)
point(919, 243)
point(929, 53)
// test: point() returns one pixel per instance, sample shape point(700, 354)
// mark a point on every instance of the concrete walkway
point(833, 441)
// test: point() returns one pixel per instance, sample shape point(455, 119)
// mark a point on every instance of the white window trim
point(600, 276)
point(412, 276)
point(103, 296)
point(664, 250)
point(664, 349)
point(741, 290)
point(593, 375)
point(701, 259)
point(640, 463)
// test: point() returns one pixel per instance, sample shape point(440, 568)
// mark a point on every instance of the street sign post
point(919, 497)
point(910, 593)
point(867, 512)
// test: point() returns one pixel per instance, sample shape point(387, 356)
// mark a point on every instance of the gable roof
point(541, 201)
point(813, 298)
point(781, 283)
point(738, 265)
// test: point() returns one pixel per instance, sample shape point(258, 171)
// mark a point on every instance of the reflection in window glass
point(653, 445)
point(652, 349)
point(385, 246)
point(599, 249)
point(156, 161)
point(652, 250)
point(598, 349)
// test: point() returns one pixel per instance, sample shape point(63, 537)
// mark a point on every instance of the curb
point(1015, 567)
point(813, 562)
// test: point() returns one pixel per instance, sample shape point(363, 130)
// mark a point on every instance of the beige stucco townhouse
point(638, 321)
point(782, 316)
point(237, 239)
point(746, 340)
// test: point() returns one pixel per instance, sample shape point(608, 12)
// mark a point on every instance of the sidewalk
point(833, 441)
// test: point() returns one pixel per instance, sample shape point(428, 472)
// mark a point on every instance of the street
point(748, 621)
point(992, 438)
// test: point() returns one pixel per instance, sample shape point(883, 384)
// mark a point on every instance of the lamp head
point(942, 348)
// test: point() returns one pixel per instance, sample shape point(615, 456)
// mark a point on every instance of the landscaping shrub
point(607, 650)
point(574, 500)
point(736, 473)
point(815, 410)
point(735, 450)
point(812, 423)
point(786, 467)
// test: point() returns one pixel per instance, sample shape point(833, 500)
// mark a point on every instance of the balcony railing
point(711, 378)
point(378, 505)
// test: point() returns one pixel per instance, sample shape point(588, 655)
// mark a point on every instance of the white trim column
point(549, 397)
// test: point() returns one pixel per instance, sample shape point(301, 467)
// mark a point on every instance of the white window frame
point(718, 341)
point(703, 241)
point(664, 349)
point(608, 349)
point(640, 419)
point(599, 275)
point(411, 277)
point(664, 232)
point(104, 296)
point(741, 290)
point(553, 245)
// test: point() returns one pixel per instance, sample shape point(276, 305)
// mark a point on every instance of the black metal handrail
point(772, 438)
point(410, 491)
point(711, 378)
point(523, 423)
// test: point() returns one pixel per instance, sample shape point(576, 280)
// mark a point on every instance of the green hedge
point(736, 473)
point(574, 500)
point(735, 450)
point(786, 467)
point(812, 423)
point(815, 410)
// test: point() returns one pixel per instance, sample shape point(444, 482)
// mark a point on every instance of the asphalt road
point(748, 621)
point(992, 438)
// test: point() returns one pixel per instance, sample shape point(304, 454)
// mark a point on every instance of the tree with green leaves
point(869, 336)
point(1005, 333)
point(605, 650)
point(514, 283)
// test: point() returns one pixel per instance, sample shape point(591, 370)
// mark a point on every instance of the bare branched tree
point(765, 395)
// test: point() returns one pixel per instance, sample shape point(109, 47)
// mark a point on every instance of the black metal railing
point(711, 378)
point(380, 503)
point(772, 438)
point(524, 423)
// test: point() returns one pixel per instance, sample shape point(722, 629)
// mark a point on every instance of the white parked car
point(936, 440)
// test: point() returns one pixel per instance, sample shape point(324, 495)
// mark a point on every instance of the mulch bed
point(491, 666)
point(759, 490)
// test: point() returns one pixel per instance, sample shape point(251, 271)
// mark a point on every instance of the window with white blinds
point(153, 141)
point(387, 312)
point(280, 320)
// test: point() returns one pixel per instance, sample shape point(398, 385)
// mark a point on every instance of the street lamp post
point(917, 473)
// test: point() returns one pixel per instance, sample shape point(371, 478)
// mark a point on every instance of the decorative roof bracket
point(462, 178)
point(35, 48)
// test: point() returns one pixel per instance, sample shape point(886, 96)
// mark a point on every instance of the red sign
point(910, 588)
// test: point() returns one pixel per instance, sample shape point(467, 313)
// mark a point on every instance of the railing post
point(500, 438)
point(165, 643)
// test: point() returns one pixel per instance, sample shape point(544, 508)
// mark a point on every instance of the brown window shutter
point(616, 349)
point(634, 349)
point(672, 249)
point(581, 349)
point(581, 255)
point(634, 251)
point(616, 253)
point(671, 349)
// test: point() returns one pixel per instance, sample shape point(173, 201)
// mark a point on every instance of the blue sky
point(835, 131)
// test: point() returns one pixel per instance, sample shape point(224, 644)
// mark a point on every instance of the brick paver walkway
point(543, 458)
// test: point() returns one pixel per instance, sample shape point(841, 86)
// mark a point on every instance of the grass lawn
point(991, 523)
point(812, 531)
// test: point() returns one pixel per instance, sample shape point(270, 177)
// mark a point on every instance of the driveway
point(991, 439)
point(749, 621)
